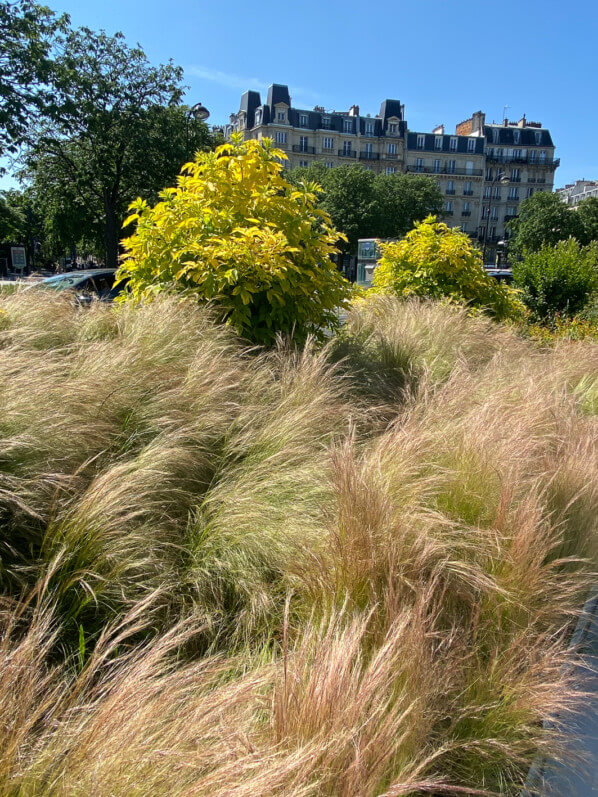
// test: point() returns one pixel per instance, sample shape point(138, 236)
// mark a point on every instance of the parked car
point(97, 283)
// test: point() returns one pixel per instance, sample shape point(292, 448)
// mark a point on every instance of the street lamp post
point(499, 178)
point(197, 111)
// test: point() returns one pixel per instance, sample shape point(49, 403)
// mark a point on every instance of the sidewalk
point(570, 781)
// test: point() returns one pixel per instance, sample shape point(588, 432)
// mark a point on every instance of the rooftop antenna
point(504, 111)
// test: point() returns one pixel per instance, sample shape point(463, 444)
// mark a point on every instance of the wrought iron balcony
point(552, 162)
point(306, 150)
point(466, 212)
point(347, 153)
point(369, 156)
point(450, 191)
point(467, 193)
point(390, 156)
point(444, 170)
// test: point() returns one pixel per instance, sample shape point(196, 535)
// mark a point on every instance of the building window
point(281, 116)
point(326, 122)
point(391, 149)
point(497, 193)
point(532, 156)
point(419, 165)
point(530, 191)
point(471, 145)
point(369, 128)
point(451, 167)
point(330, 164)
point(511, 210)
point(303, 120)
point(542, 156)
point(347, 126)
point(437, 166)
point(513, 193)
point(438, 142)
point(487, 190)
point(303, 163)
point(517, 153)
point(494, 214)
point(421, 142)
point(515, 175)
point(538, 138)
point(303, 140)
point(346, 147)
point(258, 117)
point(466, 207)
point(328, 142)
point(281, 138)
point(467, 190)
point(485, 212)
point(488, 174)
point(517, 136)
point(448, 206)
point(453, 144)
point(495, 135)
point(450, 187)
point(392, 128)
point(390, 170)
point(464, 226)
point(368, 148)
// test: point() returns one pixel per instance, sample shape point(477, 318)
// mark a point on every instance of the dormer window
point(438, 142)
point(303, 120)
point(326, 122)
point(471, 145)
point(281, 116)
point(538, 137)
point(347, 126)
point(258, 117)
point(369, 128)
point(517, 136)
point(421, 142)
point(392, 128)
point(453, 144)
point(495, 133)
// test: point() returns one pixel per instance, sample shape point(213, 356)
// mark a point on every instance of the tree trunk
point(111, 231)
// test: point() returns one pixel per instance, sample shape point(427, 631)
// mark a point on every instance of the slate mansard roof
point(256, 113)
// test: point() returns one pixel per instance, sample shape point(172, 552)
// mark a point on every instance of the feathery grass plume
point(389, 574)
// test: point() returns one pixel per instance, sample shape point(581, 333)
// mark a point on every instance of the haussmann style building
point(483, 170)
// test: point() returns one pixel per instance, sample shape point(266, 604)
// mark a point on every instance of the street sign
point(19, 258)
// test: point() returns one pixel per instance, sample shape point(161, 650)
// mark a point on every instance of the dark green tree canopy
point(366, 205)
point(587, 212)
point(543, 219)
point(114, 129)
point(28, 33)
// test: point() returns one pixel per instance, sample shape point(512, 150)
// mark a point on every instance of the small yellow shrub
point(236, 234)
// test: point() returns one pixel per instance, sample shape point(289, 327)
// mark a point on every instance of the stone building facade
point(483, 170)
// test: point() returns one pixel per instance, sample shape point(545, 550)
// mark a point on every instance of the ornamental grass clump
point(234, 233)
point(232, 570)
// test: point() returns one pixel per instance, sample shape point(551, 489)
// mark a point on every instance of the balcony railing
point(391, 156)
point(553, 162)
point(444, 170)
point(467, 193)
point(450, 191)
point(306, 150)
point(515, 179)
point(466, 212)
point(369, 156)
point(347, 153)
point(510, 217)
point(447, 212)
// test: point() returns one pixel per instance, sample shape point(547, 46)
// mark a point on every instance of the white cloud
point(232, 81)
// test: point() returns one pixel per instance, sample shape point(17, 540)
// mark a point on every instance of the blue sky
point(443, 58)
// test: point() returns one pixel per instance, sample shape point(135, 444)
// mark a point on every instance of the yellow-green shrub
point(235, 233)
point(436, 261)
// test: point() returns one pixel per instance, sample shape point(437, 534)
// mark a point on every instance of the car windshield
point(62, 282)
